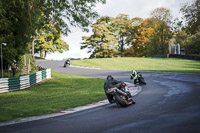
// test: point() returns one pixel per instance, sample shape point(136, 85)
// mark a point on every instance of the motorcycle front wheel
point(142, 82)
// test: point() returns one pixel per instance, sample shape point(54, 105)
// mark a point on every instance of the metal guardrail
point(23, 82)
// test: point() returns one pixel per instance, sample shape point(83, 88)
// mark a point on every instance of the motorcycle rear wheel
point(120, 101)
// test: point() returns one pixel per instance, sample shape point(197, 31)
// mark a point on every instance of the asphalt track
point(169, 103)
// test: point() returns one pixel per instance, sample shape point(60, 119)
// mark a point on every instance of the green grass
point(143, 64)
point(62, 92)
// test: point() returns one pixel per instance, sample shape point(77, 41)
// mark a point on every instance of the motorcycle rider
point(134, 75)
point(67, 62)
point(110, 83)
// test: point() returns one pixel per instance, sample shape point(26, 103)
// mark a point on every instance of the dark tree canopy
point(21, 19)
point(130, 37)
point(192, 15)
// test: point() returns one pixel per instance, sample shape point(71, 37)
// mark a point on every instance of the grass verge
point(142, 64)
point(62, 92)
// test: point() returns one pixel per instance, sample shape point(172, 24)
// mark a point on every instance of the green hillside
point(142, 64)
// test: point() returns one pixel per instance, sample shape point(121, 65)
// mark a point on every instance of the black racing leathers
point(110, 83)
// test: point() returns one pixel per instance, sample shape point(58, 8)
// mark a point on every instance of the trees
point(49, 40)
point(193, 44)
point(181, 38)
point(15, 28)
point(131, 37)
point(102, 43)
point(142, 38)
point(161, 24)
point(119, 30)
point(122, 26)
point(138, 37)
point(191, 14)
point(152, 35)
point(135, 37)
point(188, 36)
point(162, 14)
point(21, 20)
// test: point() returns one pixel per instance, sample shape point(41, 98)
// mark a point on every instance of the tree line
point(38, 25)
point(138, 37)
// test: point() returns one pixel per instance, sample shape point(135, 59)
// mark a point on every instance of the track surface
point(169, 103)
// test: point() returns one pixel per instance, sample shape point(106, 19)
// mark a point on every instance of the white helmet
point(133, 71)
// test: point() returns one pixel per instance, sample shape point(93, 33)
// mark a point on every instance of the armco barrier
point(23, 82)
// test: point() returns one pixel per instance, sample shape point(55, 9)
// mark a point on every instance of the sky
point(112, 8)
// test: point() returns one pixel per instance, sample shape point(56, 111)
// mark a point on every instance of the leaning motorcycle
point(121, 95)
point(67, 63)
point(138, 78)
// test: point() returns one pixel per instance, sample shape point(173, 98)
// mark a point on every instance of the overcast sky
point(132, 8)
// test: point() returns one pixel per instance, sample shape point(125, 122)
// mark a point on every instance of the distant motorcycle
point(67, 63)
point(120, 95)
point(137, 76)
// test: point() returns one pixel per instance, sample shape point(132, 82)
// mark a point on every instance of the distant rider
point(134, 75)
point(110, 83)
point(67, 62)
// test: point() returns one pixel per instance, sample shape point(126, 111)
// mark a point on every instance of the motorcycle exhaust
point(121, 92)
